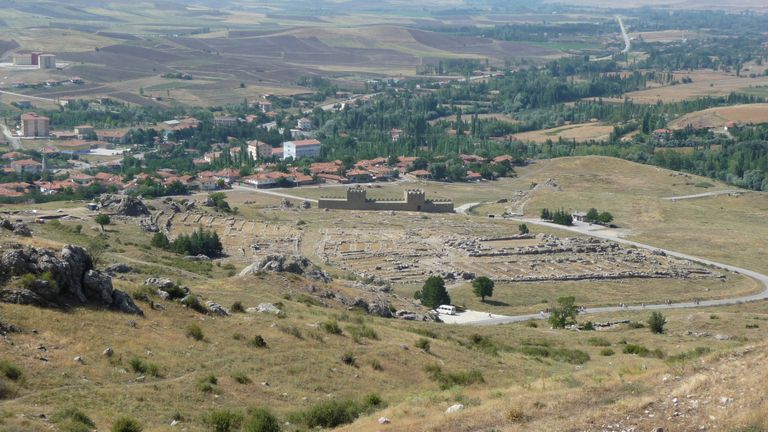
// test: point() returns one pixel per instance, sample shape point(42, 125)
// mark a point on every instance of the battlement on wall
point(413, 200)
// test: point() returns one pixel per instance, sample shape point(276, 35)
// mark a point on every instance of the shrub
point(690, 355)
point(73, 417)
point(223, 420)
point(258, 342)
point(531, 324)
point(241, 377)
point(238, 336)
point(143, 367)
point(329, 414)
point(484, 344)
point(193, 302)
point(376, 365)
point(175, 292)
point(607, 352)
point(656, 322)
point(448, 380)
point(752, 326)
point(642, 351)
point(261, 420)
point(636, 325)
point(208, 384)
point(598, 341)
point(516, 415)
point(10, 370)
point(588, 326)
point(195, 332)
point(7, 389)
point(349, 359)
point(291, 330)
point(29, 280)
point(126, 424)
point(423, 344)
point(373, 401)
point(332, 327)
point(238, 307)
point(362, 331)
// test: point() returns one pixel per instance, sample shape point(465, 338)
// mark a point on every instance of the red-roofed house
point(27, 166)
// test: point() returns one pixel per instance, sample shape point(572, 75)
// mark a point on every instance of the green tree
point(564, 314)
point(656, 322)
point(605, 217)
point(523, 229)
point(159, 240)
point(433, 293)
point(483, 287)
point(592, 215)
point(102, 220)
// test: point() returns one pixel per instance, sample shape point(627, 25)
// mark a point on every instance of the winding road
point(599, 232)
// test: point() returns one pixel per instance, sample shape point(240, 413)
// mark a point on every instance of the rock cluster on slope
point(123, 205)
point(52, 279)
point(285, 263)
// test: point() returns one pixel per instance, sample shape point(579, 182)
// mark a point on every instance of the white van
point(446, 310)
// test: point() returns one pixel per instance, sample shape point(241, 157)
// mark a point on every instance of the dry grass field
point(584, 132)
point(705, 83)
point(719, 117)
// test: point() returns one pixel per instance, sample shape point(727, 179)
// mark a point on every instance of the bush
point(143, 367)
point(193, 302)
point(241, 377)
point(448, 380)
point(373, 401)
point(349, 359)
point(126, 424)
point(636, 325)
point(195, 332)
point(258, 342)
point(598, 341)
point(261, 420)
point(223, 420)
point(208, 384)
point(656, 322)
point(362, 331)
point(607, 352)
point(332, 327)
point(238, 307)
point(690, 355)
point(159, 240)
point(7, 389)
point(642, 351)
point(329, 414)
point(73, 417)
point(376, 365)
point(10, 370)
point(484, 344)
point(423, 344)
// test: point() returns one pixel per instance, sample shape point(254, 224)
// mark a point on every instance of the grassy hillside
point(513, 377)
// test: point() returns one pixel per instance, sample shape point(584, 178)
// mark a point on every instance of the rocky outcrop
point(19, 228)
point(123, 205)
point(44, 278)
point(295, 264)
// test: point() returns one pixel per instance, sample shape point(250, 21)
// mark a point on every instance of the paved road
point(465, 208)
point(28, 96)
point(705, 195)
point(627, 43)
point(593, 231)
point(273, 193)
point(12, 140)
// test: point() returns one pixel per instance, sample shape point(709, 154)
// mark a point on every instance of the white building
point(304, 124)
point(301, 149)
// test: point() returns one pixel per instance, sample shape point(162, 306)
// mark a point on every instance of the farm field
point(584, 132)
point(719, 117)
point(705, 83)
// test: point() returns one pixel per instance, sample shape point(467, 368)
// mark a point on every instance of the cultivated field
point(584, 132)
point(705, 83)
point(719, 117)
